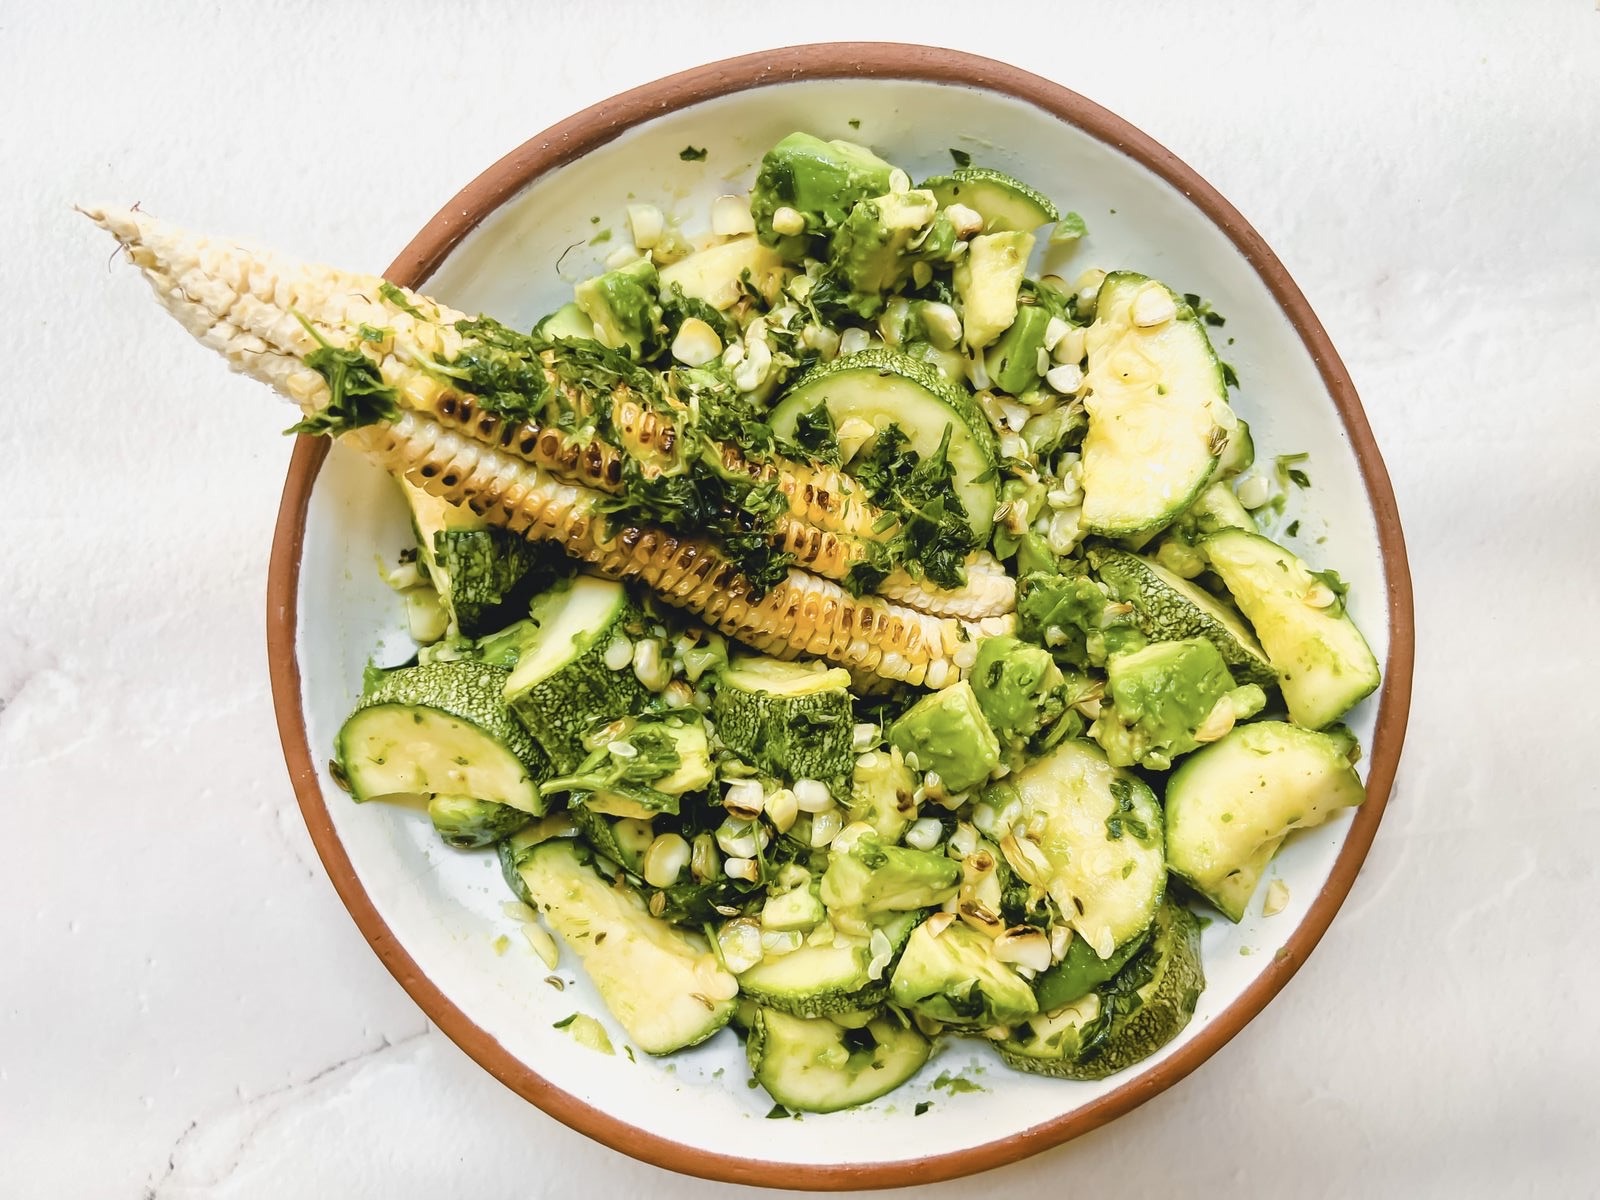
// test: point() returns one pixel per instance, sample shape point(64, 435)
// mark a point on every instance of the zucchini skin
point(797, 737)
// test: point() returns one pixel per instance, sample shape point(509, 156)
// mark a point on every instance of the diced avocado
point(468, 823)
point(817, 179)
point(1081, 970)
point(440, 729)
point(867, 878)
point(953, 976)
point(987, 280)
point(1124, 1021)
point(1019, 688)
point(1163, 698)
point(796, 910)
point(625, 306)
point(664, 986)
point(1004, 202)
point(1323, 663)
point(1158, 408)
point(1099, 846)
point(718, 274)
point(569, 322)
point(1167, 608)
point(883, 793)
point(833, 974)
point(875, 248)
point(1013, 361)
point(947, 732)
point(1230, 805)
point(818, 1065)
point(882, 388)
point(1070, 615)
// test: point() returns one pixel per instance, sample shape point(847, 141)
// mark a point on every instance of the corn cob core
point(802, 614)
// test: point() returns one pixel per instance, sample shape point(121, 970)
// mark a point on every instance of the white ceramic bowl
point(512, 245)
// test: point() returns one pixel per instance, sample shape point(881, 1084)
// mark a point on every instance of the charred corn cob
point(802, 614)
point(268, 315)
point(265, 314)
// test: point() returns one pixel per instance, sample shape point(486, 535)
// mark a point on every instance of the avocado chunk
point(868, 878)
point(625, 306)
point(953, 976)
point(875, 248)
point(1230, 806)
point(947, 732)
point(987, 281)
point(718, 274)
point(1013, 361)
point(1168, 698)
point(1019, 688)
point(567, 323)
point(818, 179)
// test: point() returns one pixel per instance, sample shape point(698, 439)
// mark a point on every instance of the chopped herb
point(594, 220)
point(1294, 528)
point(600, 238)
point(922, 1107)
point(955, 1083)
point(1286, 467)
point(933, 536)
point(357, 395)
point(397, 298)
point(854, 122)
point(565, 1021)
point(960, 157)
point(778, 1113)
point(1069, 228)
point(1229, 375)
point(693, 154)
point(1203, 310)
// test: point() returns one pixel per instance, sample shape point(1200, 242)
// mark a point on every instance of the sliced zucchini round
point(884, 387)
point(1157, 406)
point(1324, 665)
point(1004, 202)
point(562, 685)
point(441, 729)
point(1140, 1010)
point(1169, 608)
point(827, 979)
point(469, 824)
point(1101, 842)
point(1231, 804)
point(791, 719)
point(664, 986)
point(816, 1065)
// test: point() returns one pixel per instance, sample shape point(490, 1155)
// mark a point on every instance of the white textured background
point(185, 1008)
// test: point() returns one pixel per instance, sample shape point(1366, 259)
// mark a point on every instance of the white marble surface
point(185, 1008)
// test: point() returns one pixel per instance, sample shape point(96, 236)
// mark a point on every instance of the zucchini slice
point(1157, 405)
point(829, 978)
point(470, 824)
point(1231, 804)
point(1168, 608)
point(819, 1066)
point(1004, 202)
point(793, 720)
point(561, 685)
point(1324, 665)
point(1140, 1010)
point(1099, 854)
point(883, 387)
point(441, 729)
point(663, 985)
point(473, 566)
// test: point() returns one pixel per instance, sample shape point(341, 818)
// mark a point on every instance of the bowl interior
point(444, 907)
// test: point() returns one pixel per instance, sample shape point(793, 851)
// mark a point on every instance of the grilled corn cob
point(802, 614)
point(266, 314)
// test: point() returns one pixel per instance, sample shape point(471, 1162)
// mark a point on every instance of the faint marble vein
point(180, 1176)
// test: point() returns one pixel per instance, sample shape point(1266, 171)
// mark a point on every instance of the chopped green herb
point(397, 298)
point(1229, 375)
point(778, 1113)
point(922, 1107)
point(1069, 228)
point(960, 157)
point(693, 154)
point(1294, 529)
point(854, 122)
point(357, 395)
